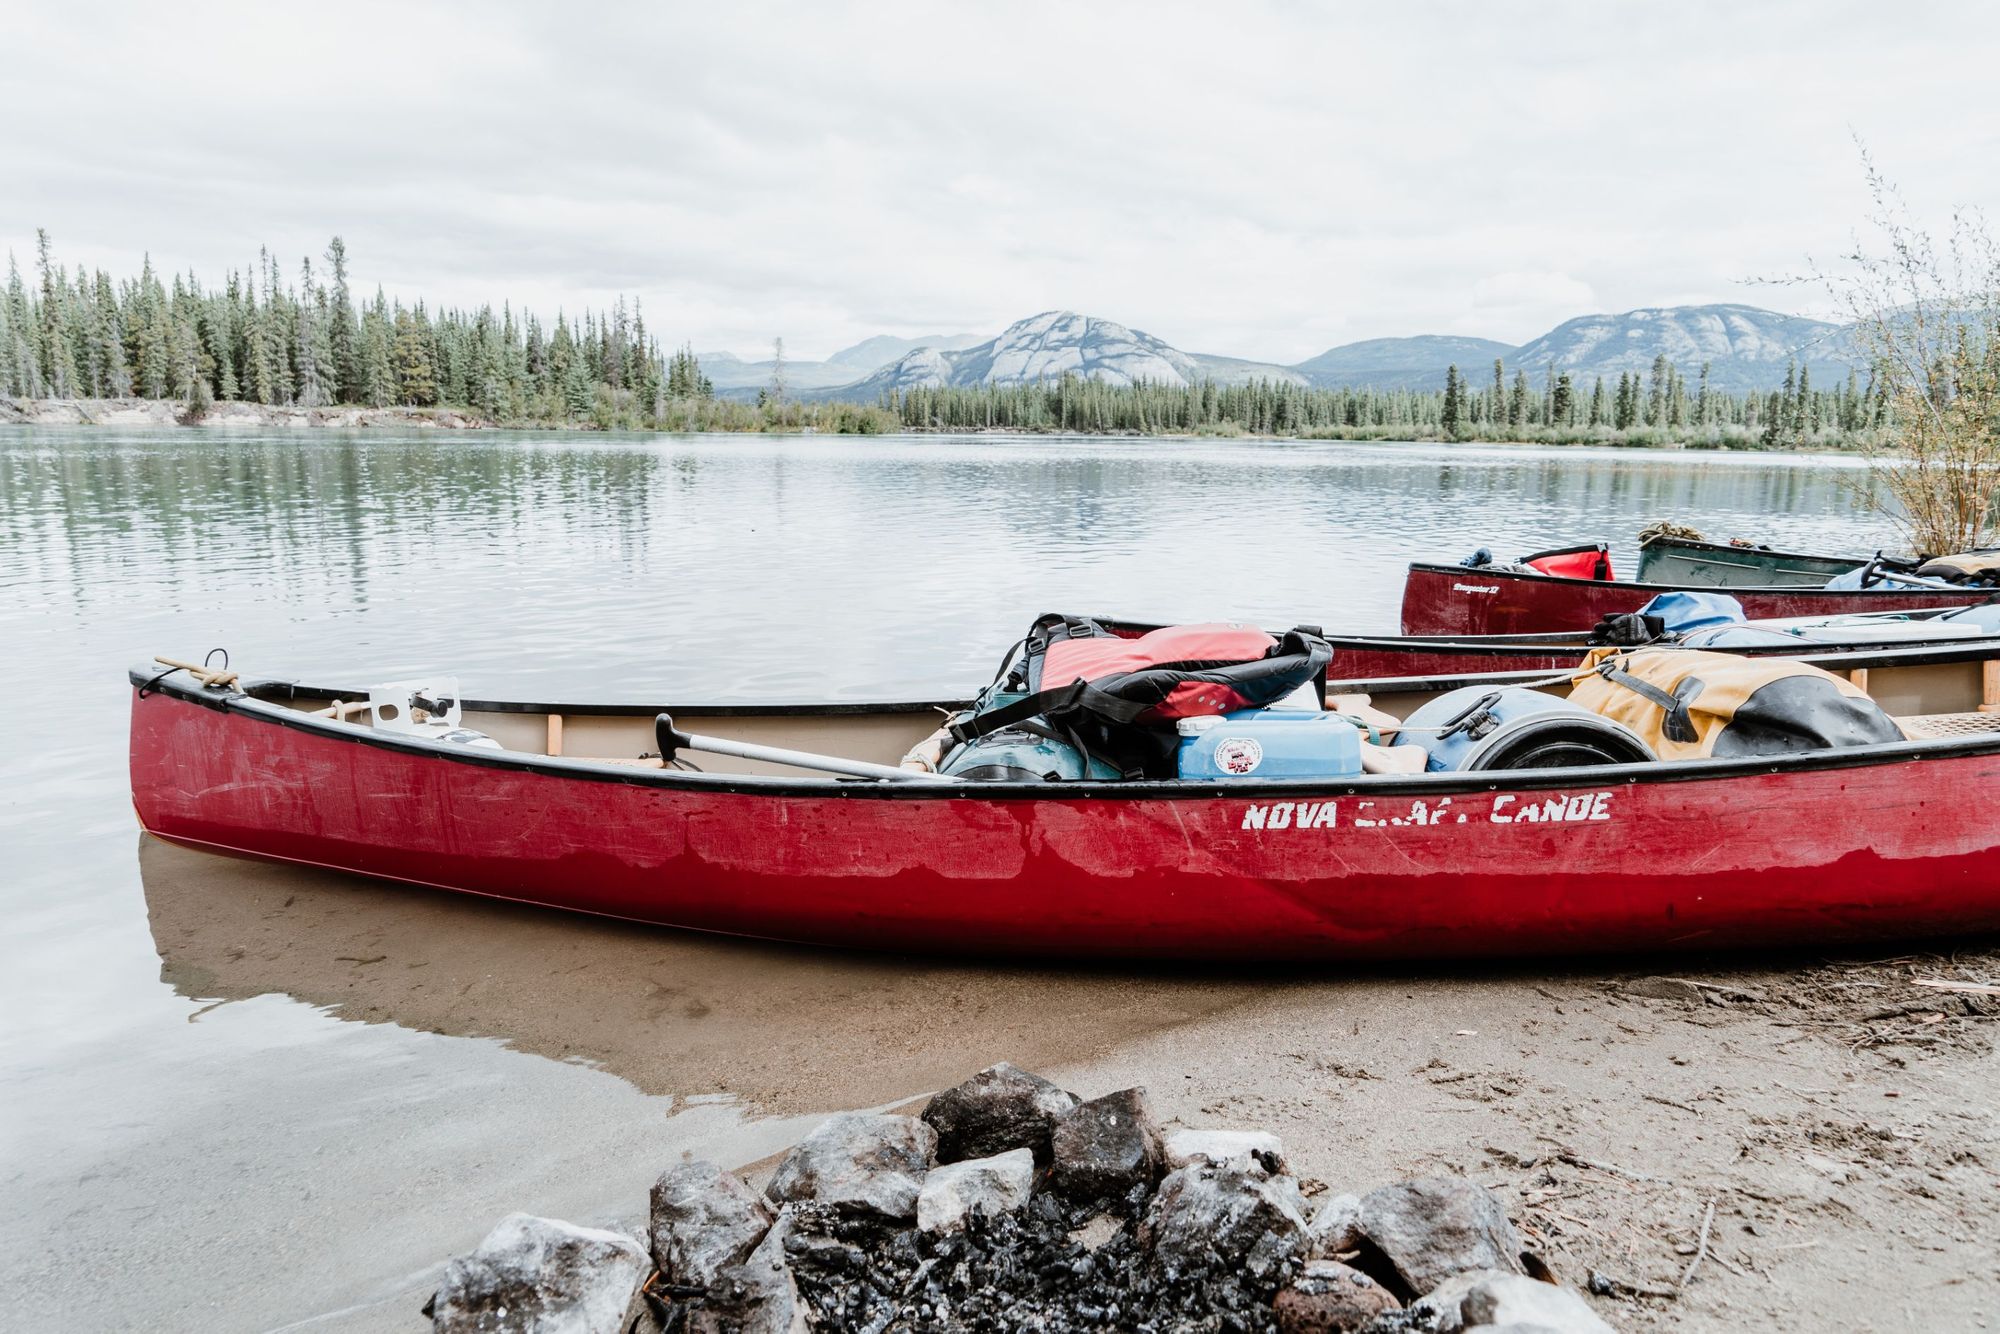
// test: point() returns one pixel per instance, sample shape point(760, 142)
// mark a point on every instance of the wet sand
point(784, 1030)
point(1842, 1120)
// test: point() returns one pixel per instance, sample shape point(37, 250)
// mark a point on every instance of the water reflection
point(674, 1013)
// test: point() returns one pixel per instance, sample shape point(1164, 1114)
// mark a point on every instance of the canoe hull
point(1770, 854)
point(1454, 600)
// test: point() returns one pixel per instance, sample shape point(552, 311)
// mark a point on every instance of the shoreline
point(232, 415)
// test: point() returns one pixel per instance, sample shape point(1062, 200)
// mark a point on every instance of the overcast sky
point(1259, 180)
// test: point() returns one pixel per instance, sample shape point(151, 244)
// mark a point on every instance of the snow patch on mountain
point(1059, 342)
point(1040, 349)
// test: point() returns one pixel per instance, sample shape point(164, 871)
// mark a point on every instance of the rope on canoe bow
point(214, 678)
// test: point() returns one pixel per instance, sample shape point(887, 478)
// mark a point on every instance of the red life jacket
point(1585, 562)
point(1072, 668)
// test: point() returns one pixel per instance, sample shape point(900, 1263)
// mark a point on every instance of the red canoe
point(1366, 657)
point(1457, 600)
point(1858, 844)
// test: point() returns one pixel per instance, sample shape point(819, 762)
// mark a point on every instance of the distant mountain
point(925, 368)
point(1045, 346)
point(1042, 347)
point(737, 378)
point(1235, 370)
point(1401, 363)
point(1744, 346)
point(872, 354)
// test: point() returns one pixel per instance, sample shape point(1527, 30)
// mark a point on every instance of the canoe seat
point(1919, 727)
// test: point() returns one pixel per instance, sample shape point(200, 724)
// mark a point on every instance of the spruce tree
point(58, 360)
point(309, 345)
point(343, 332)
point(114, 377)
point(416, 382)
point(1449, 416)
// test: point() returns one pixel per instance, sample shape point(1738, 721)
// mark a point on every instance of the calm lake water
point(196, 1133)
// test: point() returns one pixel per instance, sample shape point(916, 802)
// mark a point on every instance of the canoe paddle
point(671, 739)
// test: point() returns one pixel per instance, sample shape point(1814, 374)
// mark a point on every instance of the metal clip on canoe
point(671, 740)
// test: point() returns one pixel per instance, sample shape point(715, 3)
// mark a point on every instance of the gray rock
point(1431, 1229)
point(1330, 1298)
point(1438, 1310)
point(1221, 1146)
point(704, 1219)
point(758, 1296)
point(1439, 1313)
point(1509, 1300)
point(1105, 1147)
point(1666, 989)
point(1489, 1300)
point(541, 1276)
point(955, 1191)
point(998, 1109)
point(1335, 1229)
point(1205, 1216)
point(858, 1161)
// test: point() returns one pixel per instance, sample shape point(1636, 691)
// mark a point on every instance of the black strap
point(1628, 629)
point(1051, 703)
point(1678, 724)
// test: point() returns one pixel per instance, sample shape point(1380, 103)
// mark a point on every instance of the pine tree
point(378, 370)
point(310, 352)
point(58, 360)
point(343, 333)
point(10, 363)
point(578, 400)
point(415, 369)
point(1454, 390)
point(107, 342)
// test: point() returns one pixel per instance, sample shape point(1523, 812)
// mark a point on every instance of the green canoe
point(1690, 564)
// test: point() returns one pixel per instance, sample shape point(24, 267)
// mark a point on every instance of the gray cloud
point(1258, 179)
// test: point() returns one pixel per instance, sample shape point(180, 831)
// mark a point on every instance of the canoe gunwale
point(242, 702)
point(1665, 541)
point(267, 688)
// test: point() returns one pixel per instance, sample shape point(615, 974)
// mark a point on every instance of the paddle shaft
point(672, 739)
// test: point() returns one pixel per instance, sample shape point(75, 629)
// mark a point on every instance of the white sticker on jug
point(1239, 755)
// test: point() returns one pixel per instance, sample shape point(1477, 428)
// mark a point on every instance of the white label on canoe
point(1475, 588)
point(1506, 808)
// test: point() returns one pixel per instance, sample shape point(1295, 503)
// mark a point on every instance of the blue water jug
point(1269, 743)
